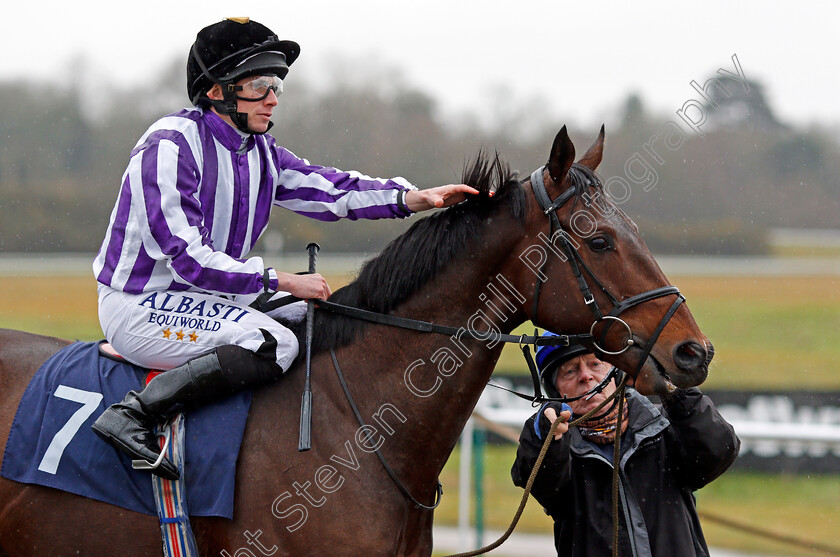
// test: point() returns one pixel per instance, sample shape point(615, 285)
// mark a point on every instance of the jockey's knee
point(240, 366)
point(281, 344)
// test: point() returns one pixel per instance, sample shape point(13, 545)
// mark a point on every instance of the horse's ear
point(562, 156)
point(592, 158)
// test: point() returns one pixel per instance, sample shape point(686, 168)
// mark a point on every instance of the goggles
point(257, 88)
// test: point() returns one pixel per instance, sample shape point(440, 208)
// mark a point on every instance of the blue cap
point(548, 358)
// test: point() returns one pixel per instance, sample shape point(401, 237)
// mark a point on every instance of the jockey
point(175, 282)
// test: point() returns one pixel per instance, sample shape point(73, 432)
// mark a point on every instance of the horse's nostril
point(690, 356)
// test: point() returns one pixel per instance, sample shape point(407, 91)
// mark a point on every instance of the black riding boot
point(129, 425)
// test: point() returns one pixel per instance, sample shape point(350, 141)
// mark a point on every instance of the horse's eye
point(599, 243)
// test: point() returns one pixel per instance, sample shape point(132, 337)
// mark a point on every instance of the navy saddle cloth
point(51, 442)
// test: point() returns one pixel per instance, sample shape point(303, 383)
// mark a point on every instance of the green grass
point(502, 496)
point(57, 306)
point(800, 506)
point(770, 332)
point(806, 251)
point(803, 507)
point(777, 333)
point(61, 306)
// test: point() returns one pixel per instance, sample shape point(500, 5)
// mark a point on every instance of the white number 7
point(90, 402)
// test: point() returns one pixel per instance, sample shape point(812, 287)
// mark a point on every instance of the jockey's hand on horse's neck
point(437, 198)
point(314, 286)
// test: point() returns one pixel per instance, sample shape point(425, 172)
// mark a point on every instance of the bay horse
point(484, 266)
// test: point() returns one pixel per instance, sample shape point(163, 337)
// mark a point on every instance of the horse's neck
point(431, 381)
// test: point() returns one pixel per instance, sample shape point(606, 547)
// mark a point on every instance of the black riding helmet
point(229, 50)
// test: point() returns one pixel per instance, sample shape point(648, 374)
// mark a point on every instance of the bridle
point(550, 207)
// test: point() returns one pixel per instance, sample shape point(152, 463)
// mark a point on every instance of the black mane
point(413, 258)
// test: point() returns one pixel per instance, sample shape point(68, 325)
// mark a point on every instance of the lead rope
point(619, 392)
point(548, 438)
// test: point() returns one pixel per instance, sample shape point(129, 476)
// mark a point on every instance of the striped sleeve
point(330, 194)
point(164, 178)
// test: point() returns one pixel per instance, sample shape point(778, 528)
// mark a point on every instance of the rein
point(522, 340)
point(619, 392)
point(388, 469)
point(549, 208)
point(578, 267)
point(426, 327)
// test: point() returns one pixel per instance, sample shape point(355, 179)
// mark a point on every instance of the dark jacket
point(667, 453)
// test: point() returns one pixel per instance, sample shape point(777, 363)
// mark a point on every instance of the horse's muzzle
point(693, 360)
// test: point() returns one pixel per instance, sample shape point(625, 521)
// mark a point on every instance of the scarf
point(601, 429)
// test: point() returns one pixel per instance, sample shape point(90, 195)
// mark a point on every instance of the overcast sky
point(568, 60)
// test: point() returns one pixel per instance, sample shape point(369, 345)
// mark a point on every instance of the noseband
point(550, 207)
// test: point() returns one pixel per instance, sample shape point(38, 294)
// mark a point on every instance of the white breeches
point(162, 330)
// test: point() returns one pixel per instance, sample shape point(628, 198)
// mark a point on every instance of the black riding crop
point(305, 439)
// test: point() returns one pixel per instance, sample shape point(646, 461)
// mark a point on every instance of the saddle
point(51, 443)
point(108, 351)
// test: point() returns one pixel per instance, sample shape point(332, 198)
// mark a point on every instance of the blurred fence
point(505, 424)
point(793, 432)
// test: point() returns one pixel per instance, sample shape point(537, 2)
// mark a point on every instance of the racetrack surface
point(448, 539)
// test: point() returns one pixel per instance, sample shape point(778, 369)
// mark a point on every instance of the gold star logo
point(166, 333)
point(180, 335)
point(193, 336)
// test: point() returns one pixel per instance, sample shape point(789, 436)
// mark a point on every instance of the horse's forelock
point(586, 181)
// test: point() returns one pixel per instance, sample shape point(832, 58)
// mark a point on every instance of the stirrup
point(143, 464)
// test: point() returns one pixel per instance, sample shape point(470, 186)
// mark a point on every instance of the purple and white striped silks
point(197, 195)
